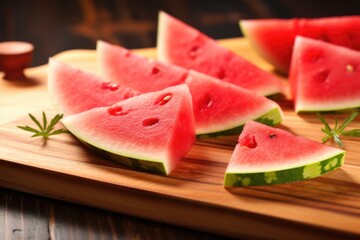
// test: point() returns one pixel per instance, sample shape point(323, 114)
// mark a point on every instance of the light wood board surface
point(193, 195)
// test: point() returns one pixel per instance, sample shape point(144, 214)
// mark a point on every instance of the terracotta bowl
point(14, 58)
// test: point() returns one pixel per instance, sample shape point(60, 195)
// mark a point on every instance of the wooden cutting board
point(193, 195)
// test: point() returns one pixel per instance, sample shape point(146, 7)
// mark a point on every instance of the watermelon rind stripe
point(271, 118)
point(145, 165)
point(238, 179)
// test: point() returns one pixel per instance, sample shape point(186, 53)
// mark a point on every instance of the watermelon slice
point(182, 45)
point(123, 66)
point(149, 132)
point(73, 90)
point(265, 155)
point(324, 77)
point(222, 108)
point(274, 38)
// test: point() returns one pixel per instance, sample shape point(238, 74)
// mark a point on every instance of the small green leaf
point(29, 129)
point(347, 121)
point(44, 120)
point(59, 131)
point(54, 121)
point(36, 122)
point(45, 130)
point(39, 134)
point(325, 139)
point(336, 124)
point(338, 141)
point(322, 119)
point(338, 129)
point(352, 133)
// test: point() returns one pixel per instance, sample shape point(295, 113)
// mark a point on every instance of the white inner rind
point(161, 37)
point(303, 105)
point(299, 162)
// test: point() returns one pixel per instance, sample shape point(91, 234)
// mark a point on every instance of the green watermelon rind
point(271, 118)
point(131, 162)
point(302, 172)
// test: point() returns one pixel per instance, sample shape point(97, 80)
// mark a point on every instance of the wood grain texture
point(193, 195)
point(26, 216)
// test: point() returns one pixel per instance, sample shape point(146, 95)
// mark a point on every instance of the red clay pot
point(14, 58)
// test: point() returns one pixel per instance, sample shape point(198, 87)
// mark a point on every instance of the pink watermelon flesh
point(274, 38)
point(324, 77)
point(182, 45)
point(265, 155)
point(119, 65)
point(223, 108)
point(149, 132)
point(73, 90)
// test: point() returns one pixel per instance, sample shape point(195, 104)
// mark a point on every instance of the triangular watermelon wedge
point(73, 90)
point(324, 77)
point(265, 155)
point(274, 38)
point(185, 46)
point(221, 108)
point(125, 67)
point(150, 132)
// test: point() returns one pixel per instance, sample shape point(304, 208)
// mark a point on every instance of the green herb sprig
point(339, 129)
point(44, 130)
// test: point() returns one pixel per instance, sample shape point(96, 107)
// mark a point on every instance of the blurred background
point(57, 25)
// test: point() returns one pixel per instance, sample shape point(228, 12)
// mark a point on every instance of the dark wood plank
point(26, 216)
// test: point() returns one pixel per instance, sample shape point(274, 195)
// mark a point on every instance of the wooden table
point(192, 196)
point(27, 216)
